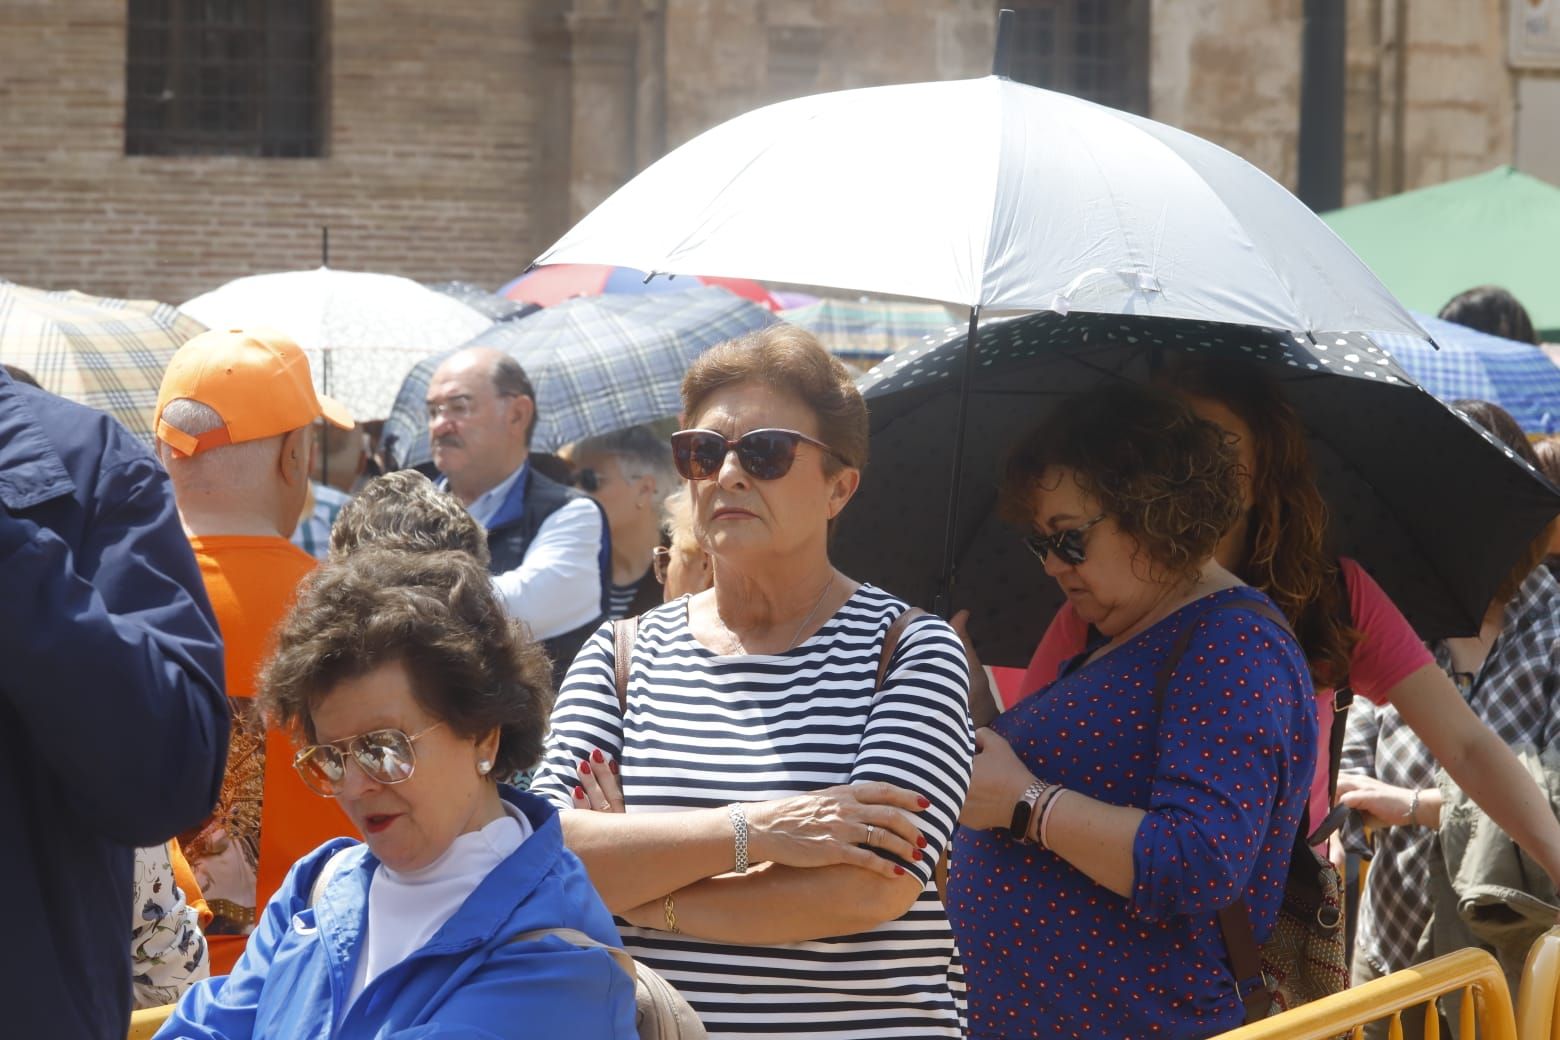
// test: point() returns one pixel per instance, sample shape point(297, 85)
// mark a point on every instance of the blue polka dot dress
point(1223, 772)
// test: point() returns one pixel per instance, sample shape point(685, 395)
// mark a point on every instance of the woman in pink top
point(1279, 546)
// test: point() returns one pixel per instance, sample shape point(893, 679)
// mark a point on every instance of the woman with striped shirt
point(775, 805)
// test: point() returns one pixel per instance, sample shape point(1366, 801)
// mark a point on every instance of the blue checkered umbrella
point(598, 363)
point(1471, 364)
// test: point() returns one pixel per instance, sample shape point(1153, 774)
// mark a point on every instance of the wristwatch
point(1024, 808)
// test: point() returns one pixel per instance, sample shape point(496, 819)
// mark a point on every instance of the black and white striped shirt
point(705, 730)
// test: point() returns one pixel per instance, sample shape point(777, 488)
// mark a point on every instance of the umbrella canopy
point(598, 363)
point(552, 285)
point(1498, 228)
point(870, 330)
point(1471, 364)
point(490, 305)
point(1035, 200)
point(107, 354)
point(362, 332)
point(1438, 546)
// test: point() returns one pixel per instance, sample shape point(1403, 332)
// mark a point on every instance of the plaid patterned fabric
point(1517, 376)
point(1517, 693)
point(870, 330)
point(106, 354)
point(312, 534)
point(598, 363)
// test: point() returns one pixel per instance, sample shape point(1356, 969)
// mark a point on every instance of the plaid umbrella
point(1471, 364)
point(552, 285)
point(598, 363)
point(107, 354)
point(491, 305)
point(871, 330)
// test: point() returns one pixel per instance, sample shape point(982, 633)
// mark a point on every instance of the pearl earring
point(484, 766)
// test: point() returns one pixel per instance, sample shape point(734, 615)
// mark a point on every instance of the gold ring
point(870, 829)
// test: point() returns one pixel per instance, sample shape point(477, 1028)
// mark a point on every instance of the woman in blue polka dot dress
point(1114, 813)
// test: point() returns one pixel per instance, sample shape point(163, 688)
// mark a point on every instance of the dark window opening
point(225, 77)
point(1093, 49)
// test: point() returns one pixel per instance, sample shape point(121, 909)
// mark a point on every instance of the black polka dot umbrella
point(1432, 506)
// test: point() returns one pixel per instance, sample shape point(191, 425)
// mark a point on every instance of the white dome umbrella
point(1036, 201)
point(362, 332)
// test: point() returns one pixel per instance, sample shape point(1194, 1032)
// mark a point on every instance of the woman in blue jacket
point(413, 691)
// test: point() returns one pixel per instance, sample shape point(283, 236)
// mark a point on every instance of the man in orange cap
point(234, 427)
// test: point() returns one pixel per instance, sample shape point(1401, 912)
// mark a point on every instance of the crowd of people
point(480, 751)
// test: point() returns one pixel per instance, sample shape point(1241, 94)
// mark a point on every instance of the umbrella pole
point(942, 601)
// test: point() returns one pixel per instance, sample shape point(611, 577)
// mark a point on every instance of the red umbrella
point(558, 282)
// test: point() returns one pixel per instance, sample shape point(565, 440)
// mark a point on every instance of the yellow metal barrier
point(1486, 1006)
point(144, 1023)
point(1538, 1009)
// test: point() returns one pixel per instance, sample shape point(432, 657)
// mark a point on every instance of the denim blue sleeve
point(113, 656)
point(1230, 750)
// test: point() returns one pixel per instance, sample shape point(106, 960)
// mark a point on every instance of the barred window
point(1093, 49)
point(225, 77)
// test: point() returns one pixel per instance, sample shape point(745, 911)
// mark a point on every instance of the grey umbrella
point(1383, 450)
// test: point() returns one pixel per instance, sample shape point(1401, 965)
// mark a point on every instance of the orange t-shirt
point(266, 818)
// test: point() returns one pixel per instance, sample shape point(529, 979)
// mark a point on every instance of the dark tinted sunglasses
point(1068, 544)
point(764, 454)
point(587, 480)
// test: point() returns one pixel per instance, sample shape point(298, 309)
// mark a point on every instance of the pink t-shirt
point(1388, 652)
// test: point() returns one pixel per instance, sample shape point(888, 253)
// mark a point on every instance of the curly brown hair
point(1286, 554)
point(790, 360)
point(471, 666)
point(1167, 478)
point(403, 510)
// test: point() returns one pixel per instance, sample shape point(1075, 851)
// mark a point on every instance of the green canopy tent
point(1498, 228)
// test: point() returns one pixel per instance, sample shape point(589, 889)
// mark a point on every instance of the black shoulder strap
point(624, 632)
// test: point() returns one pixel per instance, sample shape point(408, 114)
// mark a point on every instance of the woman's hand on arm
point(638, 858)
point(1384, 805)
point(782, 904)
point(1480, 763)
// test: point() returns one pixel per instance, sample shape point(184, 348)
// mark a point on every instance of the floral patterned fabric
point(167, 949)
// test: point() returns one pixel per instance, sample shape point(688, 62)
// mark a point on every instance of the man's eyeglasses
point(764, 454)
point(386, 755)
point(1068, 544)
point(457, 407)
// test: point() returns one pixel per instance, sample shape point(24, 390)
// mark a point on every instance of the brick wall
point(428, 173)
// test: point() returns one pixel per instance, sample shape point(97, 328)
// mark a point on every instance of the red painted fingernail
point(596, 755)
point(585, 768)
point(899, 870)
point(920, 841)
point(923, 803)
point(579, 793)
point(613, 765)
point(915, 854)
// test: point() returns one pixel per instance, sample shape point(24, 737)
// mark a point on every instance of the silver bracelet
point(1413, 810)
point(739, 827)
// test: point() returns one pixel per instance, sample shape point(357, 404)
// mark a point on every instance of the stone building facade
point(458, 140)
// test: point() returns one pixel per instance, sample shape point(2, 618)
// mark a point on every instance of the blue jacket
point(470, 980)
point(113, 723)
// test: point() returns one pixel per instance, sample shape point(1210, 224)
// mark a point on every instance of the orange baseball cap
point(256, 379)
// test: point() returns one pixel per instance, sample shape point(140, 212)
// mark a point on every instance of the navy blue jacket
point(113, 720)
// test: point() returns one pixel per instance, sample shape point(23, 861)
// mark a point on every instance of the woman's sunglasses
point(386, 755)
point(660, 559)
point(764, 454)
point(1068, 544)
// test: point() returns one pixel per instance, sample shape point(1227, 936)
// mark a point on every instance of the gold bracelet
point(671, 915)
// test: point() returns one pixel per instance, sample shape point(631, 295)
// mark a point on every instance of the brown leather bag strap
point(891, 642)
point(1250, 984)
point(624, 632)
